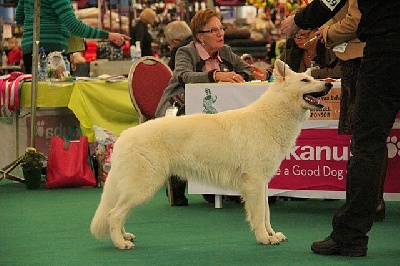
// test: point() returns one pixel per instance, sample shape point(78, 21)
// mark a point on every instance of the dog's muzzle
point(328, 86)
point(312, 98)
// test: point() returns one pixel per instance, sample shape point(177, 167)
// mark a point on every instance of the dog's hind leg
point(116, 219)
point(128, 236)
point(254, 193)
point(132, 191)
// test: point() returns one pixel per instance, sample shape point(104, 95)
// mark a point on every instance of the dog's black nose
point(328, 85)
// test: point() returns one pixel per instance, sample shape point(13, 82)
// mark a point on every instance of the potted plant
point(32, 163)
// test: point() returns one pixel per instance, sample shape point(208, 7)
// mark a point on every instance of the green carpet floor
point(51, 227)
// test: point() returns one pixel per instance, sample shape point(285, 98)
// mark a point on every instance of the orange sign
point(332, 110)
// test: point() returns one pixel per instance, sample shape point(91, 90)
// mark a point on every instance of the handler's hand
point(289, 27)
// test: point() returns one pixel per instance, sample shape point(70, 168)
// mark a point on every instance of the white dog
point(244, 150)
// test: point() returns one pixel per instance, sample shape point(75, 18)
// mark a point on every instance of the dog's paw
point(125, 245)
point(129, 237)
point(268, 240)
point(281, 237)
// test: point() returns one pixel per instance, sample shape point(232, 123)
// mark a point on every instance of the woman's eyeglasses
point(302, 35)
point(213, 30)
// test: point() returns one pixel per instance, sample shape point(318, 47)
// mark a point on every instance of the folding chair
point(147, 80)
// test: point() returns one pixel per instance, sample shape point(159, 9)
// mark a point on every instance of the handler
point(376, 104)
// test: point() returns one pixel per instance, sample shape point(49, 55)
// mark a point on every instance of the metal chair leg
point(170, 192)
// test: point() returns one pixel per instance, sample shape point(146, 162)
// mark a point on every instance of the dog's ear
point(308, 71)
point(281, 69)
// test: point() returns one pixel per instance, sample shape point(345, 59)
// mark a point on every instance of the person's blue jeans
point(377, 103)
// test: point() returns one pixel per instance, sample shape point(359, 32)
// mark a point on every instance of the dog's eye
point(305, 80)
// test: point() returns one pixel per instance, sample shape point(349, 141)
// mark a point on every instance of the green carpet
point(51, 227)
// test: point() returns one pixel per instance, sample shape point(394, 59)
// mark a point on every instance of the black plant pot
point(33, 178)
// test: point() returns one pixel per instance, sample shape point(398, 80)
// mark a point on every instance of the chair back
point(147, 80)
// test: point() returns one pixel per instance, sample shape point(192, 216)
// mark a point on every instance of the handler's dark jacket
point(379, 17)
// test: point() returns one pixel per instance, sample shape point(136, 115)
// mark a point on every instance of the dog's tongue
point(317, 101)
point(322, 102)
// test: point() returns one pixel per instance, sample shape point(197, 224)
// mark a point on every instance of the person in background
point(341, 37)
point(14, 56)
point(177, 34)
point(302, 53)
point(275, 51)
point(205, 59)
point(377, 103)
point(57, 23)
point(140, 31)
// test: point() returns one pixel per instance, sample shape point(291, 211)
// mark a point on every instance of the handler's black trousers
point(377, 103)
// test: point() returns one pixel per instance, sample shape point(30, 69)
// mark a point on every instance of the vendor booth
point(63, 105)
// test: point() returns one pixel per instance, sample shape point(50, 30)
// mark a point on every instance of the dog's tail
point(100, 227)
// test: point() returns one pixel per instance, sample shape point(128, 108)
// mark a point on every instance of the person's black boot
point(210, 198)
point(329, 247)
point(178, 188)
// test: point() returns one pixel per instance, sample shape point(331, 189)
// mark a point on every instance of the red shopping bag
point(69, 164)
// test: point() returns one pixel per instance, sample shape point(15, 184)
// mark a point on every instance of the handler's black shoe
point(330, 247)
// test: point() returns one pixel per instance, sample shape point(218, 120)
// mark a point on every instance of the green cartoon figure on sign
point(208, 101)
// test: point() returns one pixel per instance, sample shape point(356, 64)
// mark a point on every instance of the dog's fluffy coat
point(239, 149)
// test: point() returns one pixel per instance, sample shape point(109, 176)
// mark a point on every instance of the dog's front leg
point(281, 237)
point(255, 197)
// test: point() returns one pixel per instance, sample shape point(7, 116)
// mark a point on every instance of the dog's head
point(301, 86)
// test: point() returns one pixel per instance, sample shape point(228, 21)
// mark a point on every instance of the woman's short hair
point(148, 15)
point(200, 19)
point(177, 30)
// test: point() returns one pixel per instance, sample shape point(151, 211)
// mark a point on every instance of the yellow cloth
point(103, 104)
point(100, 103)
point(48, 94)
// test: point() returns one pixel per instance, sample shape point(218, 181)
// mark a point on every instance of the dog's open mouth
point(312, 98)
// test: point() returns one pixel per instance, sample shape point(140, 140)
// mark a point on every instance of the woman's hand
point(259, 73)
point(228, 77)
point(118, 38)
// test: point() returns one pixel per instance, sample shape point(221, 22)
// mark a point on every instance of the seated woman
point(205, 59)
point(302, 50)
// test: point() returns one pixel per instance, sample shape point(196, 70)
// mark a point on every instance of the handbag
point(76, 44)
point(69, 163)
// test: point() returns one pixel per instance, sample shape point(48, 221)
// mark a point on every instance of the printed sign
point(48, 126)
point(319, 158)
point(332, 110)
